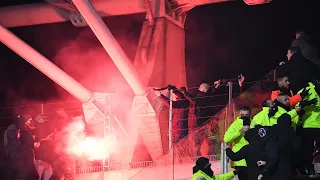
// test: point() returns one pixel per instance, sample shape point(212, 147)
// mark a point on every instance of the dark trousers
point(308, 137)
point(180, 129)
point(243, 172)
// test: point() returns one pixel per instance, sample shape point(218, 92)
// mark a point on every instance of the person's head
point(257, 133)
point(245, 111)
point(283, 129)
point(284, 121)
point(268, 103)
point(283, 81)
point(204, 87)
point(26, 122)
point(283, 99)
point(252, 134)
point(204, 165)
point(291, 52)
point(300, 34)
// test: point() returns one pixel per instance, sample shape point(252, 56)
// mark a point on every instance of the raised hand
point(241, 79)
point(261, 163)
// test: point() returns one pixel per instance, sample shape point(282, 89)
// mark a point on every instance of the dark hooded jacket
point(300, 71)
point(280, 152)
point(27, 146)
point(13, 143)
point(180, 114)
point(204, 105)
point(254, 151)
point(308, 50)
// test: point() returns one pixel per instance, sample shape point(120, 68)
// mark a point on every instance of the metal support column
point(170, 120)
point(224, 158)
point(107, 131)
point(170, 130)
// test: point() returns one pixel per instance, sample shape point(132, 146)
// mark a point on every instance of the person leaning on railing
point(203, 101)
point(180, 105)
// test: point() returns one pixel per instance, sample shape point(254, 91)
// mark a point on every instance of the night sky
point(222, 40)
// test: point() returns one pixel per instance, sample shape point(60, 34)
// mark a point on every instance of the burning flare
point(89, 147)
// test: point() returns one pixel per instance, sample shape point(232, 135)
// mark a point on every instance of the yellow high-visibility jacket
point(262, 117)
point(234, 136)
point(311, 119)
point(226, 176)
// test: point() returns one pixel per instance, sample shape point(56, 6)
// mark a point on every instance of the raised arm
point(188, 96)
point(241, 154)
point(232, 133)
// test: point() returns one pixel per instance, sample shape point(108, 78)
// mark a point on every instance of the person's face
point(284, 82)
point(270, 103)
point(18, 134)
point(204, 87)
point(207, 166)
point(289, 55)
point(284, 100)
point(297, 35)
point(244, 113)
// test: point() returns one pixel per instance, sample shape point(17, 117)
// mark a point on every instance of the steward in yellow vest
point(235, 136)
point(269, 115)
point(203, 171)
point(310, 123)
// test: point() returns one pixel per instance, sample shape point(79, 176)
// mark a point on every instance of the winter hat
point(200, 164)
point(202, 161)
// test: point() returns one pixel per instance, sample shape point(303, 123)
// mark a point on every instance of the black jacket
point(308, 50)
point(180, 116)
point(282, 151)
point(204, 104)
point(252, 153)
point(300, 70)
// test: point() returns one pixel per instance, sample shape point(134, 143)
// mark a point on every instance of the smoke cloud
point(78, 143)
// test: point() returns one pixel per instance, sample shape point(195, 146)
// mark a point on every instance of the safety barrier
point(184, 152)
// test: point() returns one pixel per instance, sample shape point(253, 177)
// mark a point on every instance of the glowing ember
point(91, 148)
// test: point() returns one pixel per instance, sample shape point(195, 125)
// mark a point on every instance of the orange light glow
point(88, 147)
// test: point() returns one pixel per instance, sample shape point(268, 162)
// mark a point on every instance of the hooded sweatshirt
point(308, 51)
point(253, 152)
point(280, 152)
point(12, 126)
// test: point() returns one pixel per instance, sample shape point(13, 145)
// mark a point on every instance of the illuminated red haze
point(89, 147)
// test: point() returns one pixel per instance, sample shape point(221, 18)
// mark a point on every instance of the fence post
point(170, 131)
point(224, 158)
point(170, 119)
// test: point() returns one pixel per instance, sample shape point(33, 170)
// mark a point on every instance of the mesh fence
point(144, 151)
point(206, 140)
